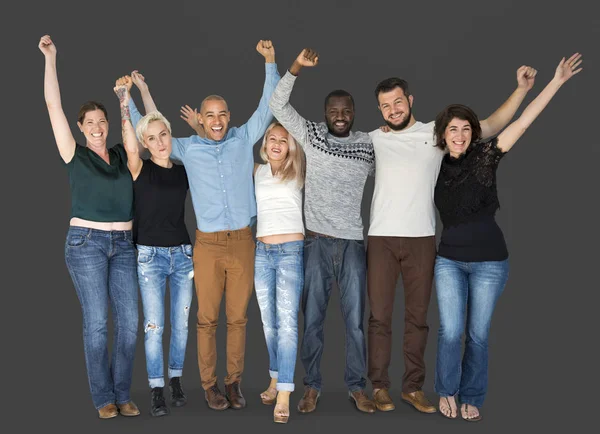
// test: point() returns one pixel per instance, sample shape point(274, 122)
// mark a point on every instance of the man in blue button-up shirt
point(219, 167)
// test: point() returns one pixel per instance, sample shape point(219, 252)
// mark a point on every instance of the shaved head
point(213, 98)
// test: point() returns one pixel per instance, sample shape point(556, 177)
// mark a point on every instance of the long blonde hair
point(294, 165)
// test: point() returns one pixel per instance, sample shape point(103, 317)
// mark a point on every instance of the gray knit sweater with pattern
point(336, 169)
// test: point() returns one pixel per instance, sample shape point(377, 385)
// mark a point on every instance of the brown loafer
point(308, 403)
point(362, 401)
point(383, 400)
point(129, 409)
point(215, 399)
point(108, 411)
point(234, 395)
point(419, 401)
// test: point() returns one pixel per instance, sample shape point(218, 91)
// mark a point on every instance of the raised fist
point(46, 46)
point(308, 57)
point(266, 49)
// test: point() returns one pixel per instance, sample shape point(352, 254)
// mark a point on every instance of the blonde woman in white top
point(278, 266)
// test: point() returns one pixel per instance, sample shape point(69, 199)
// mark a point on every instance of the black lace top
point(467, 200)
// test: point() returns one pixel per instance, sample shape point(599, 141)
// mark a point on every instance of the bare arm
point(60, 126)
point(564, 71)
point(130, 142)
point(502, 116)
point(140, 82)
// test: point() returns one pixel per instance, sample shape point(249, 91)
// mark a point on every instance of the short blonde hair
point(142, 125)
point(294, 165)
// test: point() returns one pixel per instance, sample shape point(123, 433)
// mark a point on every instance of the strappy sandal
point(470, 419)
point(449, 408)
point(270, 399)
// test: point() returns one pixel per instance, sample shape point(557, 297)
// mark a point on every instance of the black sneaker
point(158, 407)
point(178, 398)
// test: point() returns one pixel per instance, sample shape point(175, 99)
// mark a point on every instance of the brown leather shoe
point(108, 411)
point(362, 401)
point(419, 401)
point(128, 409)
point(234, 395)
point(308, 403)
point(383, 401)
point(215, 399)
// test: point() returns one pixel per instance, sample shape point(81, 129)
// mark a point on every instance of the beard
point(330, 128)
point(404, 123)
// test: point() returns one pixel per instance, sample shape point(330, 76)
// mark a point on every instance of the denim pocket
point(187, 251)
point(145, 254)
point(76, 240)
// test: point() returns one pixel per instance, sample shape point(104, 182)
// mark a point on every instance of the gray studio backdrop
point(543, 337)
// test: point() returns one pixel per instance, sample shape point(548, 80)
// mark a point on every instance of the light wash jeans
point(155, 265)
point(466, 291)
point(278, 280)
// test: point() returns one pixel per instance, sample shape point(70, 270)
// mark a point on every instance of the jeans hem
point(475, 403)
point(358, 388)
point(273, 374)
point(175, 372)
point(156, 382)
point(98, 407)
point(285, 387)
point(124, 402)
point(312, 386)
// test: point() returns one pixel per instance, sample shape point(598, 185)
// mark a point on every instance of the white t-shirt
point(278, 204)
point(407, 165)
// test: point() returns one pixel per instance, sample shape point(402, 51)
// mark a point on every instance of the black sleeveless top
point(467, 199)
point(159, 199)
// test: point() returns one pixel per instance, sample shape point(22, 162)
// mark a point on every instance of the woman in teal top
point(99, 250)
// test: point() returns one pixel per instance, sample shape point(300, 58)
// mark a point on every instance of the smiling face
point(94, 127)
point(339, 115)
point(395, 108)
point(214, 117)
point(458, 136)
point(157, 139)
point(277, 144)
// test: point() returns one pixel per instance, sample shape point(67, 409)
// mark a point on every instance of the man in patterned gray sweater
point(338, 162)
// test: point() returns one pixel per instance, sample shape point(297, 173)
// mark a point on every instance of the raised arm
point(261, 118)
point(502, 116)
point(130, 142)
point(178, 144)
point(564, 71)
point(280, 101)
point(60, 126)
point(140, 82)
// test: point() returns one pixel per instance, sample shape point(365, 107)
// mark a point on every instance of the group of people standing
point(127, 230)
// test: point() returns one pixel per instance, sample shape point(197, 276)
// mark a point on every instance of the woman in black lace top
point(472, 264)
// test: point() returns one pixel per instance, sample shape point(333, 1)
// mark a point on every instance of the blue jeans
point(102, 267)
point(278, 280)
point(155, 264)
point(327, 260)
point(466, 291)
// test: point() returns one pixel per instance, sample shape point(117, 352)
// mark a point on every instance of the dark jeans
point(467, 293)
point(327, 260)
point(387, 257)
point(102, 265)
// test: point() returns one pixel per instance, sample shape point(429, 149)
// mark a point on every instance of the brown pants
point(223, 261)
point(387, 257)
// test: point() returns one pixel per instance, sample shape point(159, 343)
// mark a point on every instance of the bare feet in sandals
point(269, 396)
point(470, 413)
point(448, 407)
point(281, 413)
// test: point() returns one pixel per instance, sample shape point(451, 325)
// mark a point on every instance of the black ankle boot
point(157, 404)
point(178, 398)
